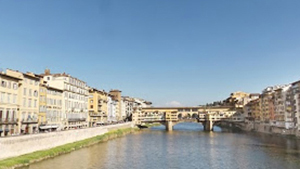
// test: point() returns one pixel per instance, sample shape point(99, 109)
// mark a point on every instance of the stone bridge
point(170, 116)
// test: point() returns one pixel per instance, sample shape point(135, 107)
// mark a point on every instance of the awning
point(48, 127)
point(73, 125)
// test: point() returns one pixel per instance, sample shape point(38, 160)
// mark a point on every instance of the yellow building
point(9, 107)
point(54, 115)
point(97, 104)
point(42, 104)
point(29, 101)
point(238, 99)
point(252, 110)
point(267, 106)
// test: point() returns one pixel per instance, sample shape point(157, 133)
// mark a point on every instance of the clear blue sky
point(165, 51)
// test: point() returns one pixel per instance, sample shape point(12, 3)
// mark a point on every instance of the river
point(188, 147)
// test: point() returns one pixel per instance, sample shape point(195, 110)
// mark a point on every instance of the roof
point(296, 82)
point(31, 76)
point(53, 88)
point(8, 76)
point(97, 90)
point(115, 90)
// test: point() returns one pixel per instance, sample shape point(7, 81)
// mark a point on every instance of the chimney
point(47, 71)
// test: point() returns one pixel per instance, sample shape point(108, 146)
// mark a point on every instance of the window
point(35, 93)
point(3, 83)
point(24, 91)
point(15, 86)
point(24, 102)
point(9, 85)
point(14, 98)
point(8, 98)
point(29, 102)
point(23, 116)
point(36, 83)
point(30, 92)
point(35, 101)
point(2, 97)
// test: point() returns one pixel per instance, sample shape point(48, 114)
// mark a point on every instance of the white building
point(74, 98)
point(127, 107)
point(111, 110)
point(142, 103)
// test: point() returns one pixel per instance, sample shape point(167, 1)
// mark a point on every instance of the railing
point(30, 120)
point(8, 120)
point(95, 114)
point(76, 119)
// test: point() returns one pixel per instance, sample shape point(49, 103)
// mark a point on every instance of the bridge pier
point(169, 125)
point(208, 126)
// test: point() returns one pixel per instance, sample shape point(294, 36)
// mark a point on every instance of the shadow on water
point(189, 127)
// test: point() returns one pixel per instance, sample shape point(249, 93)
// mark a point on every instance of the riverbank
point(30, 158)
point(251, 126)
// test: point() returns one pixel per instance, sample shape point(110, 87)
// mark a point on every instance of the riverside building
point(283, 114)
point(295, 103)
point(97, 107)
point(54, 114)
point(74, 99)
point(28, 101)
point(111, 110)
point(127, 108)
point(9, 104)
point(117, 101)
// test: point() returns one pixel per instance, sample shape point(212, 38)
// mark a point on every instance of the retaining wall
point(19, 145)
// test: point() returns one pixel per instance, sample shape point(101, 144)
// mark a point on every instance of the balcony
point(76, 119)
point(95, 114)
point(30, 121)
point(8, 121)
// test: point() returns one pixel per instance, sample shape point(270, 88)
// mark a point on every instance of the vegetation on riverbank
point(45, 154)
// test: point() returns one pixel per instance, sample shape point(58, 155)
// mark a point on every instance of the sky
point(170, 52)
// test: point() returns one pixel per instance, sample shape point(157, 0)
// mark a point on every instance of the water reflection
point(188, 146)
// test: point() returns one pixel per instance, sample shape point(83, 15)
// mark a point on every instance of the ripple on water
point(185, 147)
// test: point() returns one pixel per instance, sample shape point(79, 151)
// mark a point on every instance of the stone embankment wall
point(261, 128)
point(19, 145)
point(268, 129)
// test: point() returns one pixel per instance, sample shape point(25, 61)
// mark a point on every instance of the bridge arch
point(186, 121)
point(188, 116)
point(179, 116)
point(195, 116)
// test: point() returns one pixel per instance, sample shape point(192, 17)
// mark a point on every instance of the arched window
point(35, 93)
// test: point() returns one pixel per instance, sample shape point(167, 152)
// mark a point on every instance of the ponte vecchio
point(170, 116)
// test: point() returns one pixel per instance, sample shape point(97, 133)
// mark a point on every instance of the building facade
point(29, 101)
point(97, 107)
point(74, 99)
point(117, 99)
point(9, 105)
point(294, 103)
